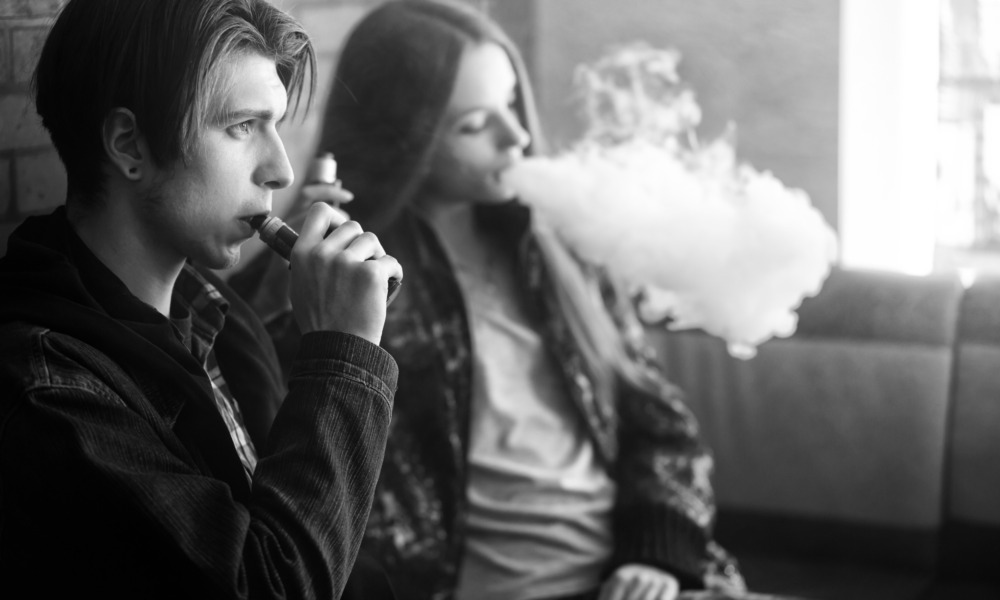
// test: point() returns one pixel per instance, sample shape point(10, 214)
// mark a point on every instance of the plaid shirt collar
point(198, 312)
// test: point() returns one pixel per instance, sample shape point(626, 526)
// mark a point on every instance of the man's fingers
point(365, 246)
point(391, 267)
point(320, 220)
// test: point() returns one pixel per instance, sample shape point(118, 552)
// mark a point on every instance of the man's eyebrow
point(242, 114)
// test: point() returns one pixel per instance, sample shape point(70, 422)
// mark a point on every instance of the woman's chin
point(501, 193)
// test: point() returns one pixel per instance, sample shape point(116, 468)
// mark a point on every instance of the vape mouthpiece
point(273, 232)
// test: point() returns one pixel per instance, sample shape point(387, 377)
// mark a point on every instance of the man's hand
point(340, 280)
point(639, 582)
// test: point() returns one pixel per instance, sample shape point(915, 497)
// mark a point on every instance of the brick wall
point(32, 179)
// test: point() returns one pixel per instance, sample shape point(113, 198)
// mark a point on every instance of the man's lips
point(257, 220)
point(254, 221)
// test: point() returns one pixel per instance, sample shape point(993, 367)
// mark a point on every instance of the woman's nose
point(514, 134)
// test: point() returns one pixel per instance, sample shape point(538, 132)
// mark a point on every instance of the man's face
point(199, 210)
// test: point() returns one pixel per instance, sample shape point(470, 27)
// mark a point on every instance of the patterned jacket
point(648, 440)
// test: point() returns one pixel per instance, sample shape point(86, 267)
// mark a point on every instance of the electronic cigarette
point(323, 169)
point(280, 237)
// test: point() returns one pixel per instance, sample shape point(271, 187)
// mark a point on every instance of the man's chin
point(222, 261)
point(231, 260)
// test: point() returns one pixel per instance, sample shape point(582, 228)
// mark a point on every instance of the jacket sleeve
point(665, 512)
point(97, 493)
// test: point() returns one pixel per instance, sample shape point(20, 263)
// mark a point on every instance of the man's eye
point(242, 128)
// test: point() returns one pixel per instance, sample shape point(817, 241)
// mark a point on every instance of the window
point(888, 130)
point(968, 203)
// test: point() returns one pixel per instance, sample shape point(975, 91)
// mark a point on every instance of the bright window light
point(889, 133)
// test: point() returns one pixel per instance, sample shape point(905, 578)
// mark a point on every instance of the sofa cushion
point(883, 306)
point(972, 522)
point(831, 580)
point(820, 539)
point(844, 423)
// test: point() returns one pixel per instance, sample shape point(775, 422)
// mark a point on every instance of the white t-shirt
point(539, 501)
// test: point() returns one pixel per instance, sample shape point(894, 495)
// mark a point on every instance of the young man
point(147, 448)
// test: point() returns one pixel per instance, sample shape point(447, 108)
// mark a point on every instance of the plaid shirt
point(198, 313)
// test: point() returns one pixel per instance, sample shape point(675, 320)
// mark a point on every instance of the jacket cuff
point(662, 537)
point(351, 354)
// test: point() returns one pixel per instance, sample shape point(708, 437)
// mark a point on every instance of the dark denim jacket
point(118, 477)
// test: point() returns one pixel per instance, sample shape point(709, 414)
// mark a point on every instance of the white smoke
point(712, 243)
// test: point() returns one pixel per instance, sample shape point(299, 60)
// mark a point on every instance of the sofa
point(860, 457)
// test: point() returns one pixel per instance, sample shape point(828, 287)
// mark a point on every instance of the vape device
point(280, 237)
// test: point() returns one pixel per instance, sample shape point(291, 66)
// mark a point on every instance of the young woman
point(534, 450)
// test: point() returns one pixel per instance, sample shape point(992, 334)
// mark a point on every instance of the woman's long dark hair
point(389, 94)
point(383, 121)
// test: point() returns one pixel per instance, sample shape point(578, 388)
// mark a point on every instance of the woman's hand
point(331, 193)
point(639, 582)
point(328, 193)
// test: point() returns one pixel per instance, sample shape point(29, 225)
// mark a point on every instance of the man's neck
point(115, 239)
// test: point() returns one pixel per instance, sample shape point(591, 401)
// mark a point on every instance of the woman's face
point(482, 134)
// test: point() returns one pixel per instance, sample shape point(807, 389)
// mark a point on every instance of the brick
point(27, 47)
point(5, 189)
point(41, 182)
point(4, 56)
point(29, 8)
point(20, 126)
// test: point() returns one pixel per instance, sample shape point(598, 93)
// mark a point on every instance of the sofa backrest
point(832, 442)
point(972, 504)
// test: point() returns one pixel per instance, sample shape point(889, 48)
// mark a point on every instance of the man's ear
point(125, 145)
